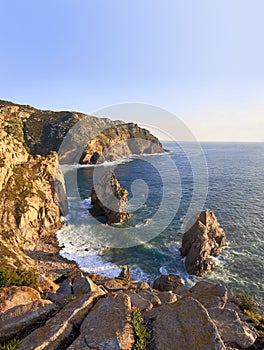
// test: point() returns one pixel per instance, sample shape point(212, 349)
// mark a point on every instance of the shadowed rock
point(201, 242)
point(109, 199)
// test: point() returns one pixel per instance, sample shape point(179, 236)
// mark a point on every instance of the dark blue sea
point(165, 191)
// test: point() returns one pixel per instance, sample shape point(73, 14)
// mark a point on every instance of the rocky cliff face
point(90, 138)
point(120, 140)
point(31, 184)
point(29, 206)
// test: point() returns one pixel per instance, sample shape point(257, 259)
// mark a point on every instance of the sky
point(202, 61)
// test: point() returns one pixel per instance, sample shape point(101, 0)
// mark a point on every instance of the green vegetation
point(249, 308)
point(140, 331)
point(15, 129)
point(11, 345)
point(10, 276)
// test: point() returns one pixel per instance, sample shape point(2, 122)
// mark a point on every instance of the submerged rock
point(109, 199)
point(204, 240)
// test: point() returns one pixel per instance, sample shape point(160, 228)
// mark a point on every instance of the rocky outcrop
point(29, 206)
point(96, 317)
point(58, 329)
point(109, 199)
point(204, 240)
point(118, 141)
point(167, 283)
point(90, 139)
point(185, 324)
point(21, 309)
point(107, 326)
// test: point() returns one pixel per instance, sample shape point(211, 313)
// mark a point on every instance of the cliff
point(90, 137)
point(31, 184)
point(29, 206)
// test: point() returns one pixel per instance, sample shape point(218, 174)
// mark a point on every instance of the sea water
point(230, 183)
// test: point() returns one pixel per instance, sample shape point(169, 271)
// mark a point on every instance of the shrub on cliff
point(10, 276)
point(140, 330)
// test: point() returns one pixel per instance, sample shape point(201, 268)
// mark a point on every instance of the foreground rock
point(204, 240)
point(109, 199)
point(21, 309)
point(107, 326)
point(59, 329)
point(183, 325)
point(96, 314)
point(167, 283)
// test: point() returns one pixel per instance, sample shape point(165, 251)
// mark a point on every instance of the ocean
point(165, 191)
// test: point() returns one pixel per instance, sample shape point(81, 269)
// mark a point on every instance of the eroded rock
point(60, 328)
point(167, 283)
point(185, 324)
point(204, 240)
point(109, 199)
point(107, 326)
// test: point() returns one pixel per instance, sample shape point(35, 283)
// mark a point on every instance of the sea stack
point(109, 199)
point(201, 242)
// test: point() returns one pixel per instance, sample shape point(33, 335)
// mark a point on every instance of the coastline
point(48, 260)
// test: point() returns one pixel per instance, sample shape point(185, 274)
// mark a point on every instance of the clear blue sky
point(201, 60)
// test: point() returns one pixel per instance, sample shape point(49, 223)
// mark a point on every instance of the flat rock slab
point(139, 302)
point(107, 326)
point(18, 319)
point(184, 325)
point(14, 296)
point(232, 329)
point(113, 286)
point(58, 329)
point(211, 295)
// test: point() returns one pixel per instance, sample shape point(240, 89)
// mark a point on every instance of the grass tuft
point(140, 331)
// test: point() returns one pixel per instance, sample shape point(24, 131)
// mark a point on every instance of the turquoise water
point(234, 191)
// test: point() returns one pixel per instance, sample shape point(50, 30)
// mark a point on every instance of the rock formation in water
point(31, 184)
point(95, 312)
point(204, 240)
point(89, 141)
point(109, 199)
point(120, 140)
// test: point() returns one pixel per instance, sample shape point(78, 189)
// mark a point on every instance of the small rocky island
point(109, 200)
point(204, 240)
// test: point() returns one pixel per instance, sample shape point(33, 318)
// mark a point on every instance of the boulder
point(107, 326)
point(84, 285)
point(17, 320)
point(167, 297)
point(113, 286)
point(45, 284)
point(185, 324)
point(211, 295)
point(167, 283)
point(139, 302)
point(59, 329)
point(109, 199)
point(150, 296)
point(232, 329)
point(201, 242)
point(13, 296)
point(125, 274)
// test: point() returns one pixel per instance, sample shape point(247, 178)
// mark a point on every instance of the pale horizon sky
point(200, 60)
